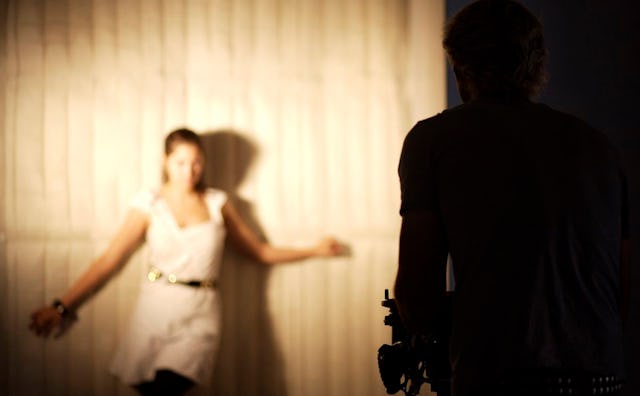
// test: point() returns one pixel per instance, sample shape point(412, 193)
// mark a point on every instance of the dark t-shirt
point(533, 202)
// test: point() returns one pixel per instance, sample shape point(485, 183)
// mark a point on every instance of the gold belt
point(155, 274)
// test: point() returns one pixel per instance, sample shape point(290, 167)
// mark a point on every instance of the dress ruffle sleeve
point(143, 200)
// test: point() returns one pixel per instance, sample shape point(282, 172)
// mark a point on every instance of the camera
point(413, 359)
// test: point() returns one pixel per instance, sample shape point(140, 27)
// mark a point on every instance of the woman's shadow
point(249, 361)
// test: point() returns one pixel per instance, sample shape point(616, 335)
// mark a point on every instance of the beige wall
point(303, 105)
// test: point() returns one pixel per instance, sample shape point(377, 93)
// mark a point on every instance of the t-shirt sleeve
point(417, 184)
point(142, 201)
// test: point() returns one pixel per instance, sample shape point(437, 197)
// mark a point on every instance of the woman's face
point(184, 165)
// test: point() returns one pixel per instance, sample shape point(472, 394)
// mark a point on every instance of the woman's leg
point(166, 383)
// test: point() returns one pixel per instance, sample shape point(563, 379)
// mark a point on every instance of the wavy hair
point(499, 46)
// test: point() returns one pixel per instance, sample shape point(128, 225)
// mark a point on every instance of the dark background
point(593, 71)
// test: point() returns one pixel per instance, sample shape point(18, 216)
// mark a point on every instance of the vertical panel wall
point(302, 105)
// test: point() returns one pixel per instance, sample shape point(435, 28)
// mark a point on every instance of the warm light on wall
point(324, 92)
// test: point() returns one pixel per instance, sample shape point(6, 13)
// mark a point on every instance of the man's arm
point(625, 276)
point(421, 280)
point(625, 251)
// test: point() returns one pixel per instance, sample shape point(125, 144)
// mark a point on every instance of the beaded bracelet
point(59, 306)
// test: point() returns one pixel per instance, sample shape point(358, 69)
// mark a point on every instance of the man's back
point(531, 202)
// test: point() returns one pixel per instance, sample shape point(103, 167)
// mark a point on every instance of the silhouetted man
point(531, 205)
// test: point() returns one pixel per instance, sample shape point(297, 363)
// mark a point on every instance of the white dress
point(174, 326)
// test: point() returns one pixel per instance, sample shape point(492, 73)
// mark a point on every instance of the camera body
point(413, 359)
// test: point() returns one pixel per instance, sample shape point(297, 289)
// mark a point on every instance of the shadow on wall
point(249, 360)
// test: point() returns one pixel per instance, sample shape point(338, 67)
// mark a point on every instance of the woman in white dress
point(175, 328)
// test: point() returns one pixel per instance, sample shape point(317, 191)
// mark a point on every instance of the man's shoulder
point(441, 117)
point(432, 126)
point(567, 123)
point(453, 117)
point(475, 114)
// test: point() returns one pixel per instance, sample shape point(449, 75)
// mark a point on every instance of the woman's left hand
point(330, 247)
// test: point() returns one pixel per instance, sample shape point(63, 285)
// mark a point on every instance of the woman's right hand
point(47, 318)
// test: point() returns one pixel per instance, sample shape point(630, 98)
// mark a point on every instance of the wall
point(303, 106)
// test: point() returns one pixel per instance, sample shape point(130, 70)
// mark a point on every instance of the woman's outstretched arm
point(124, 243)
point(246, 240)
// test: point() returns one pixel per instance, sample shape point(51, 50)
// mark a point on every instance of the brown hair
point(183, 135)
point(499, 46)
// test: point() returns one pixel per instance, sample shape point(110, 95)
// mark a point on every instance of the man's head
point(496, 47)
